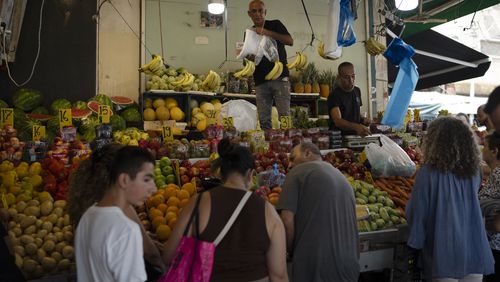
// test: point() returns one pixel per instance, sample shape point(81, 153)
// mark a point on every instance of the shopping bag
point(332, 48)
point(193, 259)
point(251, 44)
point(259, 46)
point(345, 35)
point(243, 112)
point(389, 159)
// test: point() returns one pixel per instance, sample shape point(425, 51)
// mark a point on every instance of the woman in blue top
point(444, 215)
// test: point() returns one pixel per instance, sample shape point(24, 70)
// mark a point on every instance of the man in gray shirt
point(319, 213)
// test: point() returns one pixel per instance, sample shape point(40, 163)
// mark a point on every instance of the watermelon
point(120, 100)
point(80, 113)
point(3, 104)
point(117, 122)
point(40, 110)
point(39, 117)
point(27, 99)
point(53, 125)
point(87, 128)
point(19, 119)
point(131, 115)
point(102, 99)
point(59, 104)
point(80, 105)
point(26, 133)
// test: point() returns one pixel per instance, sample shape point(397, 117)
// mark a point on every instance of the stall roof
point(433, 71)
point(434, 11)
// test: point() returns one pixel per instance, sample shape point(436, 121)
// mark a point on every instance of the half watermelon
point(80, 113)
point(40, 117)
point(120, 100)
point(94, 107)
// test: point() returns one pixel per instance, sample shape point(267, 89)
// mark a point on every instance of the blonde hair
point(449, 146)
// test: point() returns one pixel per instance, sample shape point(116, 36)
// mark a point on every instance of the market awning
point(434, 71)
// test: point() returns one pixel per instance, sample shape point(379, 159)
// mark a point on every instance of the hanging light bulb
point(216, 7)
point(406, 5)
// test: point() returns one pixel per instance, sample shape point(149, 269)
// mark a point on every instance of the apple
point(194, 172)
point(259, 169)
point(183, 171)
point(185, 179)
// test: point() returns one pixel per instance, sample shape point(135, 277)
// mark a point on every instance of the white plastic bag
point(259, 46)
point(389, 159)
point(243, 112)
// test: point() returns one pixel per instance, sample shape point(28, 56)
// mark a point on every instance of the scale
point(357, 142)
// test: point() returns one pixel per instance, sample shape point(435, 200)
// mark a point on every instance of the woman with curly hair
point(95, 182)
point(443, 213)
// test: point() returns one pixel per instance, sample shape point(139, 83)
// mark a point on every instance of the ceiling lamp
point(216, 7)
point(405, 5)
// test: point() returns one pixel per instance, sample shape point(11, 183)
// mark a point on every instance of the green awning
point(460, 9)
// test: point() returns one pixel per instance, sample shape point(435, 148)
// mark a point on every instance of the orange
point(272, 195)
point(172, 185)
point(274, 200)
point(163, 232)
point(190, 188)
point(172, 222)
point(157, 200)
point(169, 192)
point(154, 212)
point(157, 221)
point(182, 194)
point(173, 209)
point(277, 189)
point(162, 207)
point(183, 203)
point(170, 215)
point(173, 201)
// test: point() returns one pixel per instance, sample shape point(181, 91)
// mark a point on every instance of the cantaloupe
point(162, 113)
point(149, 114)
point(176, 114)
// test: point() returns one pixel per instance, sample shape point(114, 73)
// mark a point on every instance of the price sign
point(104, 113)
point(65, 118)
point(368, 177)
point(228, 122)
point(38, 132)
point(286, 122)
point(211, 117)
point(167, 133)
point(6, 117)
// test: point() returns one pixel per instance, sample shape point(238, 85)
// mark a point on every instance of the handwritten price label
point(6, 117)
point(286, 122)
point(104, 113)
point(211, 117)
point(38, 132)
point(65, 118)
point(228, 122)
point(167, 133)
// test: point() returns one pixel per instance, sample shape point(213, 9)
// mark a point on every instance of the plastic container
point(274, 134)
point(200, 150)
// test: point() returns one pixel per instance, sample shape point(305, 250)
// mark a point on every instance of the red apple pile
point(11, 147)
point(265, 161)
point(194, 172)
point(346, 162)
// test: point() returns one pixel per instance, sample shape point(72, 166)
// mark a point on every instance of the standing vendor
point(344, 103)
point(269, 90)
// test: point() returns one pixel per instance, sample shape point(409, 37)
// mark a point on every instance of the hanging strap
point(233, 217)
point(309, 21)
point(193, 213)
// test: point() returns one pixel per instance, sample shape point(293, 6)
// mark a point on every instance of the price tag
point(286, 122)
point(6, 117)
point(167, 133)
point(368, 177)
point(4, 202)
point(65, 118)
point(38, 132)
point(104, 113)
point(211, 117)
point(228, 122)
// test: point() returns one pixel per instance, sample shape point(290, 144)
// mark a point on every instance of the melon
point(117, 122)
point(170, 103)
point(120, 100)
point(27, 99)
point(59, 104)
point(94, 107)
point(40, 117)
point(102, 99)
point(149, 114)
point(176, 114)
point(131, 114)
point(80, 105)
point(158, 103)
point(162, 113)
point(42, 110)
point(80, 113)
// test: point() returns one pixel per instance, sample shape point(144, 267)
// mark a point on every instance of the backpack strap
point(193, 213)
point(233, 217)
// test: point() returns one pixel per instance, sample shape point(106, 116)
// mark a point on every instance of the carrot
point(399, 202)
point(401, 211)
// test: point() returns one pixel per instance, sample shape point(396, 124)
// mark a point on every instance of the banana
point(252, 68)
point(208, 80)
point(303, 62)
point(247, 70)
point(280, 70)
point(180, 81)
point(153, 65)
point(214, 86)
point(321, 49)
point(189, 81)
point(295, 62)
point(373, 47)
point(272, 74)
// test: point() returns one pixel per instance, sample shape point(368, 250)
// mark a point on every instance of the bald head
point(258, 2)
point(257, 12)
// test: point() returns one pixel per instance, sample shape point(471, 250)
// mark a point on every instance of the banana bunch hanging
point(275, 72)
point(321, 51)
point(247, 71)
point(373, 47)
point(211, 82)
point(299, 63)
point(155, 67)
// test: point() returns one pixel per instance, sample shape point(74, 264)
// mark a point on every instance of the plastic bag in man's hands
point(269, 48)
point(251, 44)
point(389, 159)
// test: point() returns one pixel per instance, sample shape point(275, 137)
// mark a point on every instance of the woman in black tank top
point(254, 249)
